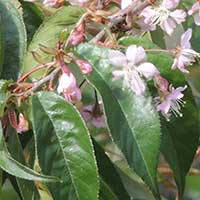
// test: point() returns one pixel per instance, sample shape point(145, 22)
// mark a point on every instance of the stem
point(25, 76)
point(39, 83)
point(161, 50)
point(119, 17)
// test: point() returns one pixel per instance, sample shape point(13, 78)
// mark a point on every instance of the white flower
point(164, 15)
point(185, 55)
point(131, 66)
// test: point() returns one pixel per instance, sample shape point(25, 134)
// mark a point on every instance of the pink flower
point(196, 11)
point(94, 116)
point(164, 15)
point(85, 66)
point(68, 87)
point(131, 66)
point(170, 102)
point(185, 55)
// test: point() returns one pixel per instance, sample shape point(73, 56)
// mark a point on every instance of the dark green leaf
point(14, 38)
point(109, 174)
point(64, 147)
point(27, 188)
point(132, 120)
point(11, 166)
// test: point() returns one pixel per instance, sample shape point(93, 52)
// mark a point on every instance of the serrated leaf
point(181, 134)
point(48, 34)
point(11, 166)
point(14, 39)
point(132, 120)
point(32, 16)
point(64, 147)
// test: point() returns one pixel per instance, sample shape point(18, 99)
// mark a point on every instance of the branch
point(39, 83)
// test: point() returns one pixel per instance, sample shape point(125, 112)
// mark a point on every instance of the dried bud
point(85, 66)
point(161, 83)
point(78, 35)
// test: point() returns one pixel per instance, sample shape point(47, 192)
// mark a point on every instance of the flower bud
point(85, 66)
point(161, 83)
point(23, 124)
point(78, 35)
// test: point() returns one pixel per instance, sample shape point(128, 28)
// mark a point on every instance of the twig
point(25, 76)
point(39, 83)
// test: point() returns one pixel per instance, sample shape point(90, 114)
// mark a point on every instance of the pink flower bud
point(161, 83)
point(78, 35)
point(23, 124)
point(85, 67)
point(68, 87)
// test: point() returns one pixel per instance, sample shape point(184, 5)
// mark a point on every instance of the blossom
point(196, 11)
point(78, 2)
point(131, 66)
point(85, 66)
point(93, 114)
point(185, 55)
point(68, 87)
point(170, 101)
point(165, 15)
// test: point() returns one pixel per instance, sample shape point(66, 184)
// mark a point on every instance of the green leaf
point(32, 16)
point(14, 39)
point(181, 134)
point(1, 47)
point(3, 99)
point(63, 138)
point(27, 188)
point(132, 120)
point(48, 34)
point(11, 166)
point(109, 174)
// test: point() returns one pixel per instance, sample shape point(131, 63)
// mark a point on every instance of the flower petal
point(185, 39)
point(148, 70)
point(117, 58)
point(135, 54)
point(197, 19)
point(137, 84)
point(170, 4)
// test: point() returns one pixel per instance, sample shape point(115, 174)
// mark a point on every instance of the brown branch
point(39, 83)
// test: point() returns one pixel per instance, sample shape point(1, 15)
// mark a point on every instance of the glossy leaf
point(32, 16)
point(1, 47)
point(11, 166)
point(64, 147)
point(180, 135)
point(27, 188)
point(14, 39)
point(138, 133)
point(109, 174)
point(48, 34)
